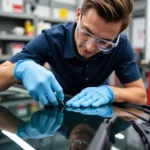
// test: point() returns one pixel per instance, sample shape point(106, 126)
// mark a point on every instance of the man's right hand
point(40, 83)
point(43, 123)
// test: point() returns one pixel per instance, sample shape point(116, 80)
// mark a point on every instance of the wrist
point(116, 92)
point(19, 68)
point(109, 91)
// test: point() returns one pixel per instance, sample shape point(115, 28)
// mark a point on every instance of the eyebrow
point(97, 36)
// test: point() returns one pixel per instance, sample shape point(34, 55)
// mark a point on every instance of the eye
point(102, 42)
point(86, 34)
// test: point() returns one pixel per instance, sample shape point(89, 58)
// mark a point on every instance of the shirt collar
point(70, 50)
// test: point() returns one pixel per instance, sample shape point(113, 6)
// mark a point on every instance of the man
point(82, 55)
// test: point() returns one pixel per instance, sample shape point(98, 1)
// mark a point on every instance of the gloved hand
point(40, 83)
point(92, 96)
point(42, 124)
point(103, 111)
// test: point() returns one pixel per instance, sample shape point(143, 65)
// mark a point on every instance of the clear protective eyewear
point(87, 38)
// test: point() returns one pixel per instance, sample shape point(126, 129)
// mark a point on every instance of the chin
point(83, 54)
point(86, 56)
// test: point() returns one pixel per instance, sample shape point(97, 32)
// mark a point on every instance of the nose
point(91, 46)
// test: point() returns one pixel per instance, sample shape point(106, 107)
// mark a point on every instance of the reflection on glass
point(82, 124)
point(103, 111)
point(80, 136)
point(78, 125)
point(42, 124)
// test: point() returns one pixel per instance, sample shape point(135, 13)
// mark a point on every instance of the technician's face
point(92, 23)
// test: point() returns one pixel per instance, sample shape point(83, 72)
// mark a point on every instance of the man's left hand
point(92, 96)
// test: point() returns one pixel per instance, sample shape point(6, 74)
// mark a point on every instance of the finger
point(73, 109)
point(90, 101)
point(34, 96)
point(33, 120)
point(51, 118)
point(60, 95)
point(79, 102)
point(92, 111)
point(51, 96)
point(87, 111)
point(43, 99)
point(57, 124)
point(99, 102)
point(75, 98)
point(82, 100)
point(44, 117)
point(69, 108)
point(57, 88)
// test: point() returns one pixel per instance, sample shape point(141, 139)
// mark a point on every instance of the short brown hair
point(111, 10)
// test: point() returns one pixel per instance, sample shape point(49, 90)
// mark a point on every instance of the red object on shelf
point(138, 50)
point(17, 8)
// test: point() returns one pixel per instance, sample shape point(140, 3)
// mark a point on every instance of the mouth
point(85, 52)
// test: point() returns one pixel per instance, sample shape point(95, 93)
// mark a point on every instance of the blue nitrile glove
point(103, 111)
point(40, 82)
point(42, 124)
point(92, 96)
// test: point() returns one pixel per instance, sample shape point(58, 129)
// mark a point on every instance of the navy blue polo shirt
point(57, 47)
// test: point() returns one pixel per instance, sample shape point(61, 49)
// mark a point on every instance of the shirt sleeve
point(37, 49)
point(127, 69)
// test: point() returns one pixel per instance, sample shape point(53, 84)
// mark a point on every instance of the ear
point(78, 14)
